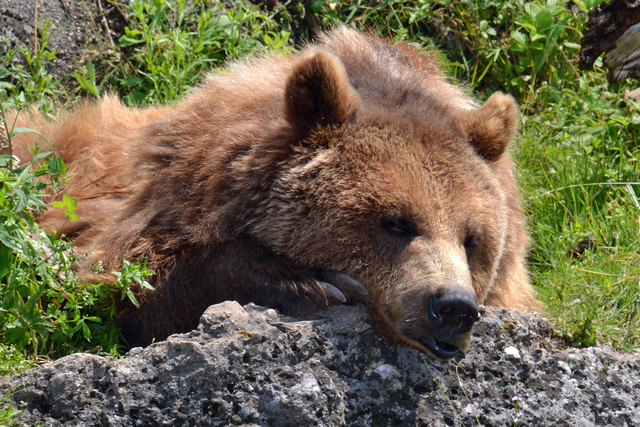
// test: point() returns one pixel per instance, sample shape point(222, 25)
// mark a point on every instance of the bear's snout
point(454, 311)
point(451, 313)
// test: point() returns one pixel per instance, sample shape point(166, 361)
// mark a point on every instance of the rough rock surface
point(250, 365)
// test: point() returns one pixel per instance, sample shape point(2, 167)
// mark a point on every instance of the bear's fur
point(292, 181)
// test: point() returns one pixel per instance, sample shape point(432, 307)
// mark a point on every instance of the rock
point(250, 365)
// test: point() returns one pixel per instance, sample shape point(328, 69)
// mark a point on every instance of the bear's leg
point(242, 270)
point(249, 272)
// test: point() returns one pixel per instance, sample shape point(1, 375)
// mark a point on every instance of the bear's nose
point(454, 311)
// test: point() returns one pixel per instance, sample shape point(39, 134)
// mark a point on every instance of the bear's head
point(403, 198)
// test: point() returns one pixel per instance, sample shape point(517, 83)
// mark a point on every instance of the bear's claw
point(349, 288)
point(351, 284)
point(333, 292)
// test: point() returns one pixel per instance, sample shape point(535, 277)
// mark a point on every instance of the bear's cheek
point(484, 261)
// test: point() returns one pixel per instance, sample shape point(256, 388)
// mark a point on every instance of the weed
point(32, 85)
point(444, 394)
point(87, 80)
point(517, 410)
point(13, 360)
point(132, 273)
point(7, 411)
point(44, 308)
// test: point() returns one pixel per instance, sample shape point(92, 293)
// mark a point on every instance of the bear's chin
point(440, 349)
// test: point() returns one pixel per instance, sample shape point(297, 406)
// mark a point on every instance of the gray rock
point(251, 366)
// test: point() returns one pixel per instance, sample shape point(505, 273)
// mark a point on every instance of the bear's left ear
point(492, 126)
point(318, 93)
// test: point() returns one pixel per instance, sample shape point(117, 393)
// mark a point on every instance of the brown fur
point(281, 172)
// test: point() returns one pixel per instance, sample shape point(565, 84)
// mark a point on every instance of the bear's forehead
point(427, 120)
point(399, 167)
point(416, 150)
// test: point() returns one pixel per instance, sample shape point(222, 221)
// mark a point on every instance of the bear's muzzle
point(453, 312)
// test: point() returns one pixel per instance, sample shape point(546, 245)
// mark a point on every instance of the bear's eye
point(398, 227)
point(470, 243)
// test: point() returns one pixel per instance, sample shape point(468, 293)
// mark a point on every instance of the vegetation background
point(577, 150)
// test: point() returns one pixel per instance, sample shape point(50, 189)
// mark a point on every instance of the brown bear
point(351, 171)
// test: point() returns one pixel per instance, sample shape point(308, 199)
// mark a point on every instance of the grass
point(577, 151)
point(579, 162)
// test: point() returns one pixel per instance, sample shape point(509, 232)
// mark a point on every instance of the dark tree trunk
point(613, 28)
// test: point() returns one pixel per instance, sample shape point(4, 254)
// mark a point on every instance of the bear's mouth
point(441, 349)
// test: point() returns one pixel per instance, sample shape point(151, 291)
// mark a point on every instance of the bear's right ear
point(318, 93)
point(492, 126)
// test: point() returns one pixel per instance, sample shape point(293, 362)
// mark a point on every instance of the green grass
point(13, 360)
point(578, 158)
point(577, 151)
